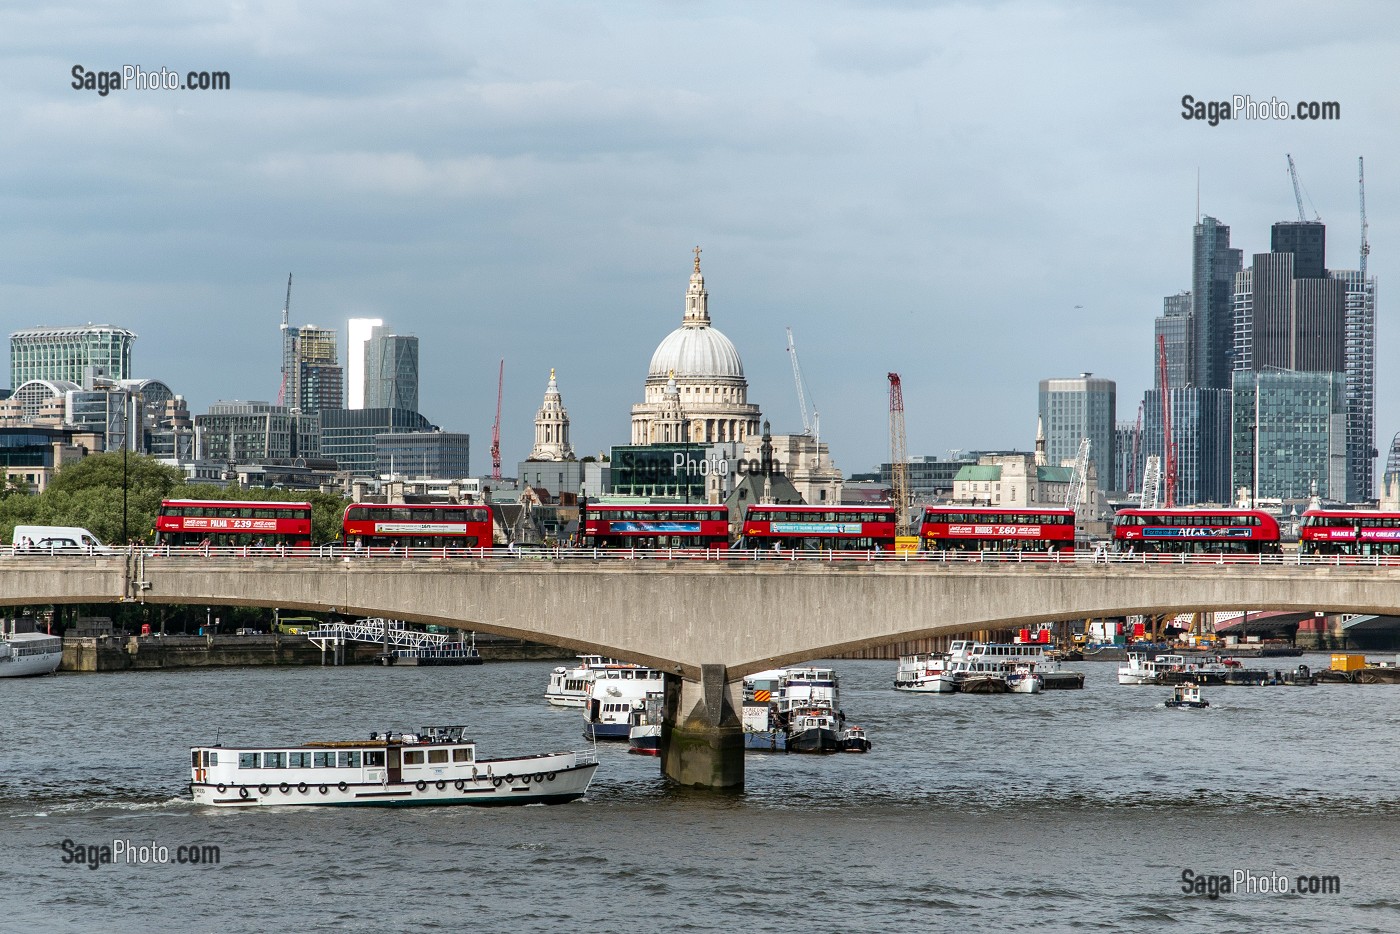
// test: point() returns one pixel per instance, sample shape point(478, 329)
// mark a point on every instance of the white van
point(56, 538)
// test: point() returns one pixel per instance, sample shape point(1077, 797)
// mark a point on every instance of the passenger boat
point(814, 729)
point(644, 738)
point(853, 739)
point(1024, 679)
point(436, 765)
point(29, 653)
point(925, 673)
point(613, 695)
point(1142, 670)
point(568, 687)
point(1187, 695)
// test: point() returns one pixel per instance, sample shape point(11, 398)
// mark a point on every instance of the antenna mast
point(286, 326)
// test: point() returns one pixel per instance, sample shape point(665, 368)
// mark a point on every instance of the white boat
point(436, 765)
point(613, 696)
point(1141, 670)
point(1187, 695)
point(568, 687)
point(925, 673)
point(29, 653)
point(644, 738)
point(853, 739)
point(1024, 679)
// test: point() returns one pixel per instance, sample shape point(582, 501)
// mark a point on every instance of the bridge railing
point(731, 556)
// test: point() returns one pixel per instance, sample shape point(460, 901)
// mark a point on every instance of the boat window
point(374, 757)
point(462, 755)
point(274, 760)
point(323, 760)
point(194, 758)
point(413, 757)
point(298, 760)
point(249, 760)
point(349, 760)
point(211, 758)
point(437, 756)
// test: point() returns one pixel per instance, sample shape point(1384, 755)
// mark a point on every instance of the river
point(1071, 810)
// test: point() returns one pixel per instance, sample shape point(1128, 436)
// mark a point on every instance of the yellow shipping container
point(906, 544)
point(1348, 661)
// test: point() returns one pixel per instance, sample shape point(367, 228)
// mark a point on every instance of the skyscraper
point(1076, 408)
point(1213, 268)
point(1289, 434)
point(1175, 326)
point(64, 353)
point(358, 334)
point(391, 371)
point(1359, 362)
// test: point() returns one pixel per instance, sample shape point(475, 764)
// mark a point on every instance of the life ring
point(221, 788)
point(284, 788)
point(302, 788)
point(459, 784)
point(495, 780)
point(549, 777)
point(243, 792)
point(262, 789)
point(421, 785)
point(510, 778)
point(342, 786)
point(441, 785)
point(539, 777)
point(324, 789)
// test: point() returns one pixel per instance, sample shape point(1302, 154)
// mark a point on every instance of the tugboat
point(644, 739)
point(1187, 695)
point(853, 739)
point(814, 729)
point(436, 765)
point(1024, 679)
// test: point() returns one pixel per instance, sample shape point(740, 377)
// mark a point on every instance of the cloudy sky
point(975, 195)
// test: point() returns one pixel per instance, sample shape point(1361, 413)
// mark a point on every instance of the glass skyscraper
point(1076, 408)
point(391, 371)
point(1289, 431)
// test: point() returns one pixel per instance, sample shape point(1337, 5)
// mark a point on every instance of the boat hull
point(1026, 686)
point(644, 741)
point(816, 740)
point(29, 666)
point(493, 788)
point(613, 731)
point(983, 684)
point(941, 684)
point(765, 740)
point(1193, 705)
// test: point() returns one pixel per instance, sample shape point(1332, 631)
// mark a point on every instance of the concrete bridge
point(708, 623)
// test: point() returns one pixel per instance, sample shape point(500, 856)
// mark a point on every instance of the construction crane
point(1168, 443)
point(1365, 243)
point(496, 428)
point(812, 427)
point(1298, 190)
point(1151, 482)
point(1076, 495)
point(899, 457)
point(1137, 450)
point(286, 326)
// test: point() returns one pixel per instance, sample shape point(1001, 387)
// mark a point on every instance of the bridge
point(708, 623)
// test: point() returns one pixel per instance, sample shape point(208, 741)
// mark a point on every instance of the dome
point(696, 353)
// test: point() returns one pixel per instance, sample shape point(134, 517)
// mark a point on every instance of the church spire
point(697, 300)
point(552, 427)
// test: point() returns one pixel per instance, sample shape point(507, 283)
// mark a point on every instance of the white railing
point(372, 630)
point(726, 556)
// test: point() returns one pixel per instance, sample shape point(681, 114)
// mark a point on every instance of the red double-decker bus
point(965, 528)
point(232, 523)
point(1208, 531)
point(655, 526)
point(400, 526)
point(820, 528)
point(1349, 532)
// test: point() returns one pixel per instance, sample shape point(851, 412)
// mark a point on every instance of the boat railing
point(586, 757)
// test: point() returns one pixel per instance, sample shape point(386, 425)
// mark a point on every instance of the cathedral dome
point(696, 353)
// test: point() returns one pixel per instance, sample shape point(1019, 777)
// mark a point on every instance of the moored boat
point(853, 739)
point(436, 765)
point(568, 687)
point(644, 738)
point(814, 729)
point(613, 696)
point(924, 673)
point(29, 653)
point(1024, 679)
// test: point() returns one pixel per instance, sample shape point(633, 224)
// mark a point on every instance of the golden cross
point(697, 259)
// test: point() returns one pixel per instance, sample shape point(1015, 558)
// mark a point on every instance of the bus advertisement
point(964, 528)
point(1203, 531)
point(398, 526)
point(820, 528)
point(1349, 532)
point(232, 523)
point(655, 526)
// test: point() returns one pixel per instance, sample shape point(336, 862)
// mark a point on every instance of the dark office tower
point(1174, 325)
point(1361, 384)
point(1288, 323)
point(1307, 241)
point(1213, 268)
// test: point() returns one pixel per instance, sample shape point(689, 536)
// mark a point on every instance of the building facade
point(242, 432)
point(391, 371)
point(1214, 264)
point(1201, 427)
point(695, 389)
point(1076, 408)
point(1289, 435)
point(348, 436)
point(552, 427)
point(437, 454)
point(68, 353)
point(357, 333)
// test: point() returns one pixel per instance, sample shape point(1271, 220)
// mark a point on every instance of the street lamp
point(110, 386)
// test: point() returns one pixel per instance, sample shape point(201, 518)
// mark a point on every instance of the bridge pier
point(702, 738)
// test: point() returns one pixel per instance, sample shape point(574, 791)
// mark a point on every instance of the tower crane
point(899, 457)
point(1168, 443)
point(811, 427)
point(1298, 191)
point(496, 428)
point(1365, 243)
point(286, 325)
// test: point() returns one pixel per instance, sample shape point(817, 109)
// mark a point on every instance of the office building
point(1289, 431)
point(312, 378)
point(1213, 267)
point(433, 454)
point(1201, 426)
point(1174, 328)
point(1359, 364)
point(348, 435)
point(243, 432)
point(358, 333)
point(1075, 408)
point(391, 371)
point(66, 354)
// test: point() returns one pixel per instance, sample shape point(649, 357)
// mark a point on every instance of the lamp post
point(110, 386)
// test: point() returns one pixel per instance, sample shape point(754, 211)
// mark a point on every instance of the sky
point(975, 195)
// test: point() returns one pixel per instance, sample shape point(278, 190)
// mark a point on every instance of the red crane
point(1168, 443)
point(899, 456)
point(496, 428)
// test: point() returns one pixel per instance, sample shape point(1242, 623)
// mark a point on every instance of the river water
point(1071, 810)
